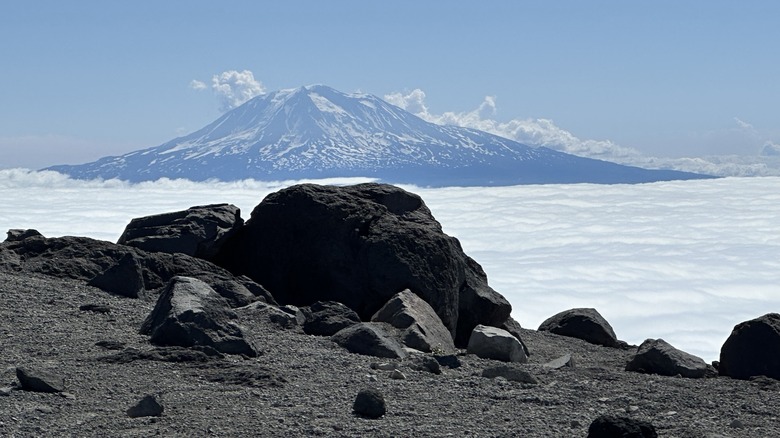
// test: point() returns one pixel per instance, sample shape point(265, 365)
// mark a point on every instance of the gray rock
point(270, 313)
point(326, 318)
point(190, 313)
point(509, 372)
point(97, 308)
point(583, 323)
point(495, 343)
point(420, 327)
point(370, 339)
point(608, 426)
point(752, 349)
point(656, 356)
point(37, 380)
point(369, 403)
point(15, 235)
point(565, 361)
point(360, 245)
point(198, 231)
point(5, 391)
point(125, 278)
point(514, 328)
point(425, 363)
point(397, 375)
point(148, 406)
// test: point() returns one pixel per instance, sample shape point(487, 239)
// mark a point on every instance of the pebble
point(397, 375)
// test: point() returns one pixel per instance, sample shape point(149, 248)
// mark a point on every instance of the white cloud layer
point(232, 87)
point(544, 133)
point(684, 261)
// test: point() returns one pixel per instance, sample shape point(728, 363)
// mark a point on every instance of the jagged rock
point(608, 426)
point(125, 278)
point(84, 259)
point(509, 372)
point(189, 312)
point(656, 356)
point(425, 363)
point(397, 375)
point(562, 362)
point(495, 343)
point(514, 329)
point(450, 361)
point(148, 406)
point(97, 308)
point(37, 380)
point(326, 318)
point(15, 235)
point(420, 327)
point(360, 245)
point(371, 339)
point(198, 231)
point(752, 349)
point(369, 403)
point(271, 313)
point(586, 324)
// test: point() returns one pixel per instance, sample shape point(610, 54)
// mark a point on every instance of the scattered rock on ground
point(37, 380)
point(565, 361)
point(369, 403)
point(420, 327)
point(371, 339)
point(495, 343)
point(583, 323)
point(125, 278)
point(610, 426)
point(752, 349)
point(189, 312)
point(148, 406)
point(97, 308)
point(656, 356)
point(326, 318)
point(509, 372)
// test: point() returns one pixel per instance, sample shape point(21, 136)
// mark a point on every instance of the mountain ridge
point(318, 132)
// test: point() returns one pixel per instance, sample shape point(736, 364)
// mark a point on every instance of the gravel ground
point(305, 385)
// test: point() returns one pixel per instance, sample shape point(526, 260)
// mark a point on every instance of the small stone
point(5, 391)
point(382, 366)
point(509, 372)
point(39, 380)
point(397, 375)
point(97, 308)
point(561, 362)
point(146, 407)
point(632, 409)
point(372, 378)
point(736, 424)
point(369, 403)
point(575, 424)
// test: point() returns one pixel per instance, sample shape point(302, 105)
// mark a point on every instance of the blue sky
point(85, 79)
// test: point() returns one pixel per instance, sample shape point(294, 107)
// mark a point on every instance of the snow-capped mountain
point(319, 132)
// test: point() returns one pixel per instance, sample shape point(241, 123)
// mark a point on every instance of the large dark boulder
point(586, 324)
point(325, 318)
point(752, 349)
point(115, 268)
point(198, 231)
point(360, 245)
point(656, 356)
point(189, 313)
point(420, 327)
point(371, 339)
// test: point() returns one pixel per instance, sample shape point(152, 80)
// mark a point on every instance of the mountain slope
point(318, 132)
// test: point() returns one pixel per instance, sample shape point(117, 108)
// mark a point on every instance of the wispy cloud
point(232, 87)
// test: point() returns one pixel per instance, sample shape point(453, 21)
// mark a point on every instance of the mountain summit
point(319, 132)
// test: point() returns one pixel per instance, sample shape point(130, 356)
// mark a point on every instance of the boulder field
point(333, 311)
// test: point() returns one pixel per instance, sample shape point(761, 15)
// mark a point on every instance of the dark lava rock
point(752, 349)
point(125, 278)
point(420, 327)
point(326, 318)
point(371, 339)
point(148, 406)
point(360, 245)
point(514, 328)
point(608, 426)
point(585, 324)
point(565, 361)
point(109, 344)
point(97, 308)
point(495, 343)
point(198, 354)
point(656, 356)
point(86, 259)
point(37, 380)
point(189, 312)
point(198, 231)
point(509, 372)
point(369, 403)
point(16, 235)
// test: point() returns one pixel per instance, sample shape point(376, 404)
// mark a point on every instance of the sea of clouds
point(683, 261)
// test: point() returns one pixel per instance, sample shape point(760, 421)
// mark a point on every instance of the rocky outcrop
point(752, 349)
point(148, 406)
point(189, 313)
point(198, 231)
point(360, 245)
point(420, 327)
point(656, 356)
point(115, 268)
point(371, 339)
point(326, 318)
point(586, 324)
point(495, 343)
